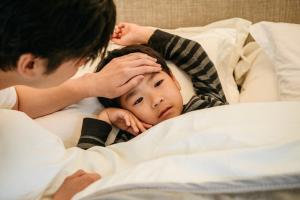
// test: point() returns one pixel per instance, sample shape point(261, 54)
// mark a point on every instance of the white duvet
point(217, 144)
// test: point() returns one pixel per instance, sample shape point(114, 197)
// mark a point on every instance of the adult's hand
point(120, 75)
point(115, 79)
point(74, 184)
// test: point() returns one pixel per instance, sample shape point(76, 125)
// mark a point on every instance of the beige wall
point(177, 13)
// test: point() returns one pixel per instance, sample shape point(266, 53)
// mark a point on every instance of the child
point(157, 97)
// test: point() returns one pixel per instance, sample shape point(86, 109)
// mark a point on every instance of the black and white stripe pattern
point(189, 56)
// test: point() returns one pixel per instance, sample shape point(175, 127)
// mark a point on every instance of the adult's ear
point(175, 81)
point(31, 67)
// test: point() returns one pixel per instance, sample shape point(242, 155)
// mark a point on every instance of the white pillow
point(281, 42)
point(67, 123)
point(222, 40)
point(256, 76)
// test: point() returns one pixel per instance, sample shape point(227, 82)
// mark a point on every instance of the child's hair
point(54, 29)
point(106, 102)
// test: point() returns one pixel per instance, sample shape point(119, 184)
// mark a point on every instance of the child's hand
point(130, 34)
point(124, 120)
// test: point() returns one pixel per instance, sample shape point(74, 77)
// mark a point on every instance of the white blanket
point(217, 144)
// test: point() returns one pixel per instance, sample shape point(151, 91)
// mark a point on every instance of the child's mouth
point(165, 112)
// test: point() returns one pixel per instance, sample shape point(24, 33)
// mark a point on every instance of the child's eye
point(139, 100)
point(158, 83)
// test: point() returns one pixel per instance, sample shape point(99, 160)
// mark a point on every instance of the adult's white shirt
point(24, 146)
point(8, 98)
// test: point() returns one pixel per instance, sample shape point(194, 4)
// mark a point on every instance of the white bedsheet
point(217, 144)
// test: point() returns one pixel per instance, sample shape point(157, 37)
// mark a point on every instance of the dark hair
point(58, 30)
point(106, 102)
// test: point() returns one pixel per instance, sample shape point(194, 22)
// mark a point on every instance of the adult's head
point(44, 42)
point(156, 98)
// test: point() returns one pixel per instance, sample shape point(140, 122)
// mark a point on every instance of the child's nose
point(157, 101)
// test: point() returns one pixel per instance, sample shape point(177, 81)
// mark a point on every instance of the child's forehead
point(147, 79)
point(151, 75)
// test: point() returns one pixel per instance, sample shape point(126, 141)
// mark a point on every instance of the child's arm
point(189, 56)
point(94, 132)
point(186, 54)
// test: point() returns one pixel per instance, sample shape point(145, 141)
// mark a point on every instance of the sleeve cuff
point(95, 128)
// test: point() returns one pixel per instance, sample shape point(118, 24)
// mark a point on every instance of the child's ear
point(175, 81)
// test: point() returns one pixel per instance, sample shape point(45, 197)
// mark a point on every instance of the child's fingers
point(131, 131)
point(117, 32)
point(134, 126)
point(129, 123)
point(127, 120)
point(146, 125)
point(114, 37)
point(120, 29)
point(117, 29)
point(140, 125)
point(121, 25)
point(115, 40)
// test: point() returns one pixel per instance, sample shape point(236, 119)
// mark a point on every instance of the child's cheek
point(146, 116)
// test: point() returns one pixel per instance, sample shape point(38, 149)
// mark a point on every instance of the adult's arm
point(39, 102)
point(116, 78)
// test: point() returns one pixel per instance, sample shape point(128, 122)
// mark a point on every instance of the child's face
point(155, 99)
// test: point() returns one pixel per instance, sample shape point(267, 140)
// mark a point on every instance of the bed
point(249, 149)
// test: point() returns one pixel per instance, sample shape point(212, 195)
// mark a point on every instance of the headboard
point(183, 13)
